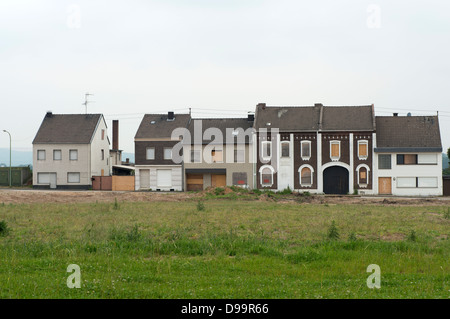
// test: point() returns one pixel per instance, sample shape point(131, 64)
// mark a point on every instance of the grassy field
point(223, 249)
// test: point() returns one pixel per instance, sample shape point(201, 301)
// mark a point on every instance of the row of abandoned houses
point(318, 149)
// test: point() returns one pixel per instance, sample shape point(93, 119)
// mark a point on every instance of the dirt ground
point(45, 196)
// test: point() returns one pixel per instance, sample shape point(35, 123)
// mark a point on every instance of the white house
point(69, 149)
point(408, 160)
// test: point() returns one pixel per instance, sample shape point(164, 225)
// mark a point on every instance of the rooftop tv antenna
point(86, 100)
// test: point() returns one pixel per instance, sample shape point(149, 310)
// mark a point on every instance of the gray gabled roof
point(315, 118)
point(157, 125)
point(226, 127)
point(408, 132)
point(67, 128)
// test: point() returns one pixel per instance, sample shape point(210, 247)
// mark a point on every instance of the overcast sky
point(219, 58)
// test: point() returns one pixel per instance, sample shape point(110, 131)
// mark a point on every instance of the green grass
point(228, 249)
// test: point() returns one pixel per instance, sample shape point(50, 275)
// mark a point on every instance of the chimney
point(127, 161)
point(395, 114)
point(251, 117)
point(262, 105)
point(318, 105)
point(49, 114)
point(170, 116)
point(115, 137)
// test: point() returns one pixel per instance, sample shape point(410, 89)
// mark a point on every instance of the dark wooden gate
point(335, 180)
point(446, 185)
point(103, 183)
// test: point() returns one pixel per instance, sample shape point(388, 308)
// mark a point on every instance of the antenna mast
point(86, 100)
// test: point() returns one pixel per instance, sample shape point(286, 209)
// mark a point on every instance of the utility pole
point(86, 100)
point(9, 157)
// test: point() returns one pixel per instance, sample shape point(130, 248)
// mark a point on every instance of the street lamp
point(9, 156)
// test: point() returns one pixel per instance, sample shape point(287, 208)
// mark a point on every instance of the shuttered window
point(335, 150)
point(305, 149)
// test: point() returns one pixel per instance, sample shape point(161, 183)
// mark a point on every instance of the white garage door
point(144, 178)
point(164, 177)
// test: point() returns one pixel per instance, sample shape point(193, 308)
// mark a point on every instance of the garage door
point(164, 177)
point(144, 179)
point(194, 182)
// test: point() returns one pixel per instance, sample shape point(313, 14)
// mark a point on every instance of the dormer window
point(335, 150)
point(363, 149)
point(305, 150)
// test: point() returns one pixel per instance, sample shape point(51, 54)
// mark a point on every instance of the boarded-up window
point(57, 155)
point(285, 149)
point(150, 153)
point(406, 182)
point(267, 176)
point(306, 149)
point(362, 149)
point(406, 159)
point(239, 179)
point(216, 156)
point(306, 176)
point(363, 175)
point(426, 159)
point(335, 152)
point(427, 182)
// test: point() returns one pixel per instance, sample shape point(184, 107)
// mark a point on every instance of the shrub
point(412, 235)
point(333, 233)
point(4, 229)
point(352, 236)
point(286, 191)
point(200, 206)
point(256, 191)
point(219, 191)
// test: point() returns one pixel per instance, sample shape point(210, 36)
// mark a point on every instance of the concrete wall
point(416, 170)
point(177, 178)
point(98, 144)
point(63, 166)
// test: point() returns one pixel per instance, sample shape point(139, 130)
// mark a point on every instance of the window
point(305, 150)
point(41, 155)
point(284, 149)
point(73, 177)
point(384, 161)
point(73, 155)
point(266, 150)
point(362, 175)
point(239, 156)
point(335, 150)
point(216, 156)
point(266, 176)
point(428, 159)
point(167, 153)
point(195, 156)
point(406, 182)
point(306, 176)
point(363, 149)
point(103, 155)
point(239, 178)
point(103, 135)
point(150, 153)
point(43, 178)
point(427, 182)
point(57, 156)
point(406, 159)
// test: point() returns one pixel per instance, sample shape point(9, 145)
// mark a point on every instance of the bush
point(352, 236)
point(4, 229)
point(200, 206)
point(219, 191)
point(286, 191)
point(412, 235)
point(333, 233)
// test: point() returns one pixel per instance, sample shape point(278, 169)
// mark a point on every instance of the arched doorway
point(335, 180)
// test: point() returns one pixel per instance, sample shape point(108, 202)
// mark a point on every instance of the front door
point(144, 178)
point(384, 186)
point(52, 180)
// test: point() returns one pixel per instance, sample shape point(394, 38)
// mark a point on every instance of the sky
point(219, 58)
